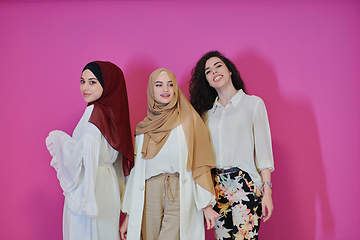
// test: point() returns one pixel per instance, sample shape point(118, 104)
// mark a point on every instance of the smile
point(218, 78)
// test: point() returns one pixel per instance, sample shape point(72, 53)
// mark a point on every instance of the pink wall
point(302, 58)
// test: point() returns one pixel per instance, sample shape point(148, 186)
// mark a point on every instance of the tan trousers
point(161, 216)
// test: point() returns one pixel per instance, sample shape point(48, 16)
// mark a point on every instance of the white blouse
point(193, 198)
point(167, 159)
point(240, 135)
point(90, 174)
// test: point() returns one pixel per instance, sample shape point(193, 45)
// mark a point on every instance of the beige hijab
point(162, 118)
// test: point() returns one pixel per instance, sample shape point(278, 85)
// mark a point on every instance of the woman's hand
point(123, 228)
point(210, 217)
point(267, 203)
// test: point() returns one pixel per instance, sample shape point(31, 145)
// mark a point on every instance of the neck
point(226, 94)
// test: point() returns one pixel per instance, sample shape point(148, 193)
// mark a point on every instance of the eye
point(158, 85)
point(171, 84)
point(219, 65)
point(207, 72)
point(82, 81)
point(92, 82)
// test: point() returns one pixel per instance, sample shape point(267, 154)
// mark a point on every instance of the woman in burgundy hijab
point(91, 163)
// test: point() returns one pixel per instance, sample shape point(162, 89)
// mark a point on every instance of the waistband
point(219, 171)
point(176, 174)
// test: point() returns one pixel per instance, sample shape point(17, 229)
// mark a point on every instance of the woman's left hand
point(123, 228)
point(210, 217)
point(267, 203)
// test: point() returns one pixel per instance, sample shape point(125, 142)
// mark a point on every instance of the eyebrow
point(214, 65)
point(159, 81)
point(90, 78)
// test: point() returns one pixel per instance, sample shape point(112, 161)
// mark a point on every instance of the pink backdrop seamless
point(302, 58)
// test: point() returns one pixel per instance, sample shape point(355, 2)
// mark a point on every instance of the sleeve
point(263, 149)
point(76, 164)
point(203, 197)
point(120, 176)
point(129, 184)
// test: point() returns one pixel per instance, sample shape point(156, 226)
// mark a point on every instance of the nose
point(214, 71)
point(166, 88)
point(84, 86)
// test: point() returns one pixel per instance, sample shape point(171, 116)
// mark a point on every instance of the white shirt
point(167, 159)
point(90, 177)
point(240, 135)
point(193, 198)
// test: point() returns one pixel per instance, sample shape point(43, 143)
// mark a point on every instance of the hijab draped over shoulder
point(111, 110)
point(162, 118)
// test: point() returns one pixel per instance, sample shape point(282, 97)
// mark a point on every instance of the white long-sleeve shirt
point(240, 135)
point(91, 177)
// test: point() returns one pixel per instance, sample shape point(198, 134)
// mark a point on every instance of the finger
point(208, 223)
point(122, 235)
point(263, 210)
point(269, 212)
point(213, 223)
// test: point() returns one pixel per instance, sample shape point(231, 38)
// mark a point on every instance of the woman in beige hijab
point(169, 191)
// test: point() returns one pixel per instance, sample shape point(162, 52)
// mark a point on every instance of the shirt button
point(184, 180)
point(142, 187)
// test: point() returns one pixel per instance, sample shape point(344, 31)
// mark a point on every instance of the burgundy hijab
point(111, 111)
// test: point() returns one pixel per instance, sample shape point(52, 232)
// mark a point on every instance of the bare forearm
point(266, 177)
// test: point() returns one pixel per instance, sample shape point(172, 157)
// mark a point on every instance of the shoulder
point(88, 111)
point(139, 139)
point(84, 127)
point(251, 102)
point(88, 127)
point(252, 99)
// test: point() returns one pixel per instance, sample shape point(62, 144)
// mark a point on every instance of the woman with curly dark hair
point(241, 140)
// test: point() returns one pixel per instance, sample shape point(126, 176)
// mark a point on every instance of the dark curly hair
point(202, 95)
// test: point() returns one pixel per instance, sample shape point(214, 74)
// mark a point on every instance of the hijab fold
point(162, 118)
point(111, 112)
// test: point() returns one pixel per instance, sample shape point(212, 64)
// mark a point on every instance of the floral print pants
point(238, 201)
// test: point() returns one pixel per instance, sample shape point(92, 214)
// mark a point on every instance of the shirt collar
point(234, 101)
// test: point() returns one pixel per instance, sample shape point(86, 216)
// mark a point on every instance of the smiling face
point(90, 87)
point(163, 89)
point(217, 74)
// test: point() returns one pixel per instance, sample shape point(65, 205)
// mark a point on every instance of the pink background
point(301, 57)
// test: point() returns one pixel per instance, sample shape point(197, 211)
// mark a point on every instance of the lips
point(217, 78)
point(86, 94)
point(165, 95)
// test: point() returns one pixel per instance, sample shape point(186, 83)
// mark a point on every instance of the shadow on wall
point(299, 177)
point(137, 73)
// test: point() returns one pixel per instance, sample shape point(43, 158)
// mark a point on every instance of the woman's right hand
point(123, 228)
